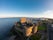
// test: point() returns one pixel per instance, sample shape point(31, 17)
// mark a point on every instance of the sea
point(6, 25)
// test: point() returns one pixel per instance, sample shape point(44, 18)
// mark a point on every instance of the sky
point(26, 8)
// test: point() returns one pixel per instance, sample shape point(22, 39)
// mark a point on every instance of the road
point(50, 32)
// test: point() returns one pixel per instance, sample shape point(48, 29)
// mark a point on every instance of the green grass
point(42, 27)
point(36, 37)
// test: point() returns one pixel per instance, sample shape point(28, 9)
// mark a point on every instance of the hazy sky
point(27, 8)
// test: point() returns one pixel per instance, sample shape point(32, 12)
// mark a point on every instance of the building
point(29, 27)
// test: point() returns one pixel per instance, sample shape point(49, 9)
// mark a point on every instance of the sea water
point(6, 25)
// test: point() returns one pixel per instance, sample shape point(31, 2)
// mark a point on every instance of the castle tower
point(23, 20)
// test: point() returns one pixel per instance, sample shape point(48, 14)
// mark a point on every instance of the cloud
point(46, 14)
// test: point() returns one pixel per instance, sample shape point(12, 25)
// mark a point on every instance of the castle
point(29, 28)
